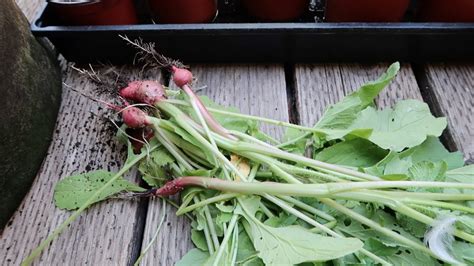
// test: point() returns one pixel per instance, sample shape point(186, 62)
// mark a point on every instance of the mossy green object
point(30, 87)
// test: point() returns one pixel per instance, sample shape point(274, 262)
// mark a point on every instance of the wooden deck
point(114, 233)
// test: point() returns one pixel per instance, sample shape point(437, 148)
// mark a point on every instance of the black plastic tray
point(265, 42)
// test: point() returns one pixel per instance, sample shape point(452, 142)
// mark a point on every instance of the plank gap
point(291, 94)
point(140, 217)
point(430, 98)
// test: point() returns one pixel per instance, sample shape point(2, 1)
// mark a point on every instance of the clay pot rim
point(74, 3)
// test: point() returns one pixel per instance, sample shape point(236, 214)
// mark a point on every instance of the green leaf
point(194, 257)
point(298, 147)
point(73, 191)
point(356, 229)
point(246, 253)
point(379, 248)
point(409, 257)
point(462, 175)
point(407, 125)
point(464, 250)
point(152, 168)
point(356, 152)
point(416, 228)
point(433, 150)
point(342, 114)
point(199, 239)
point(428, 171)
point(281, 220)
point(292, 244)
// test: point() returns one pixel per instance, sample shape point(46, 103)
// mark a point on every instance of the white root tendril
point(440, 238)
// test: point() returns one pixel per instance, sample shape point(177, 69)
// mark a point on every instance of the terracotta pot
point(366, 10)
point(446, 10)
point(184, 11)
point(96, 12)
point(276, 10)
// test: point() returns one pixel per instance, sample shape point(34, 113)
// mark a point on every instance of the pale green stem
point(425, 196)
point(356, 216)
point(312, 173)
point(210, 245)
point(266, 211)
point(253, 172)
point(251, 139)
point(192, 150)
point(203, 123)
point(399, 207)
point(180, 157)
point(308, 208)
point(427, 220)
point(251, 117)
point(445, 205)
point(309, 190)
point(235, 244)
point(182, 120)
point(218, 198)
point(329, 225)
point(226, 238)
point(303, 160)
point(212, 229)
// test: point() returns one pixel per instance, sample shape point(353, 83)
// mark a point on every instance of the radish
point(147, 91)
point(181, 76)
point(134, 117)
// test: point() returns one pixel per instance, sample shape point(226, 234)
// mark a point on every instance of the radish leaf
point(193, 257)
point(152, 168)
point(433, 150)
point(73, 191)
point(292, 244)
point(342, 114)
point(356, 152)
point(407, 125)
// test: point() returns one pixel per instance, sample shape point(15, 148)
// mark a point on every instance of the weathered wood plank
point(450, 88)
point(317, 86)
point(103, 235)
point(258, 90)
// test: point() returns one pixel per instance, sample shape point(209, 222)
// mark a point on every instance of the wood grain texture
point(258, 90)
point(103, 235)
point(451, 89)
point(30, 7)
point(318, 86)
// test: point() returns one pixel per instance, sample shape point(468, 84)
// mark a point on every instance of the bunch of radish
point(245, 192)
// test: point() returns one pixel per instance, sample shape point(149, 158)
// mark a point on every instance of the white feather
point(440, 238)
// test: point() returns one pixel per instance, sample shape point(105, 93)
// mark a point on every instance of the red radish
point(147, 91)
point(133, 117)
point(181, 76)
point(170, 188)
